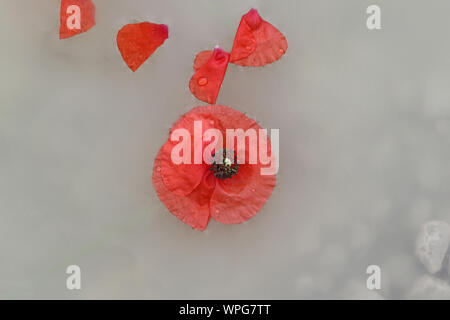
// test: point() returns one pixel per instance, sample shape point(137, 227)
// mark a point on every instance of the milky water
point(364, 119)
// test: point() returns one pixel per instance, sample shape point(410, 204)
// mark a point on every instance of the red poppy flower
point(138, 41)
point(229, 193)
point(257, 42)
point(210, 68)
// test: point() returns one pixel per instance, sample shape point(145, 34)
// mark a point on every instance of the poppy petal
point(193, 209)
point(183, 178)
point(202, 58)
point(230, 118)
point(76, 16)
point(225, 117)
point(257, 42)
point(238, 199)
point(206, 82)
point(137, 42)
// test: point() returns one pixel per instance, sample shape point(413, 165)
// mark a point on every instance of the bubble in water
point(202, 81)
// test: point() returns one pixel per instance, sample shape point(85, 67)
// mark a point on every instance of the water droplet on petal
point(281, 51)
point(158, 169)
point(202, 81)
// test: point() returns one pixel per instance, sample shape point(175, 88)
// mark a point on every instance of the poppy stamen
point(225, 164)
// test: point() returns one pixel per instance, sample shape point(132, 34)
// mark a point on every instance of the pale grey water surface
point(364, 119)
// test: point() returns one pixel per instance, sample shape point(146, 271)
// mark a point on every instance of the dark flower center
point(225, 164)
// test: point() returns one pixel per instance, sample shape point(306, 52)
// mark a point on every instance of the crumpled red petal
point(229, 118)
point(87, 17)
point(201, 58)
point(257, 42)
point(137, 42)
point(193, 209)
point(182, 178)
point(238, 199)
point(206, 82)
point(231, 207)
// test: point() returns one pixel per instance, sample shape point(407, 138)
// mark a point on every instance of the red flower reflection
point(194, 193)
